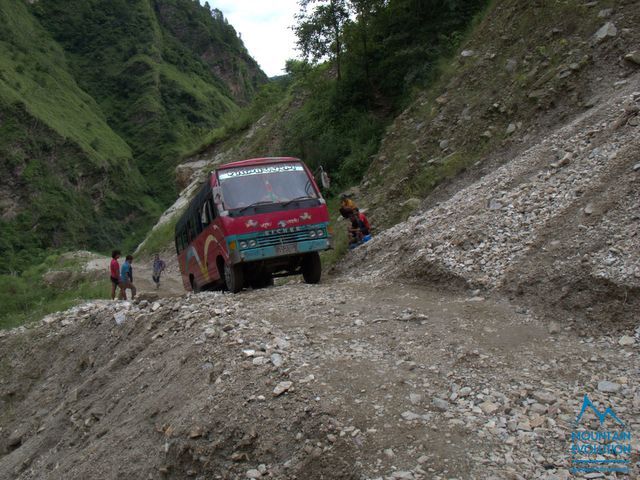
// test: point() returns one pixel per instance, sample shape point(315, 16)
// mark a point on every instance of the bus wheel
point(233, 278)
point(311, 268)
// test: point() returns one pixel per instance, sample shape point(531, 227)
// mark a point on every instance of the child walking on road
point(158, 268)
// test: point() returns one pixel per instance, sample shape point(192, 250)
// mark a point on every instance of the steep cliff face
point(214, 42)
point(98, 101)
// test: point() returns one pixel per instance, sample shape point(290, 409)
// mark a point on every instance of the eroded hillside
point(527, 69)
point(521, 167)
point(557, 224)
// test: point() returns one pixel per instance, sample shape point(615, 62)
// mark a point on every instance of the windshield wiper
point(255, 204)
point(304, 197)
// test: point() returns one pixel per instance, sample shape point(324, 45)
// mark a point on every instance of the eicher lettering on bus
point(261, 171)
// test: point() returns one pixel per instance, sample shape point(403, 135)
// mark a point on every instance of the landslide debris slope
point(343, 380)
point(532, 145)
point(525, 70)
point(557, 225)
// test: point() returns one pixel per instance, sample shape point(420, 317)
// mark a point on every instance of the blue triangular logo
point(602, 416)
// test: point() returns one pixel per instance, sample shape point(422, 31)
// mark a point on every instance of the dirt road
point(347, 379)
point(170, 281)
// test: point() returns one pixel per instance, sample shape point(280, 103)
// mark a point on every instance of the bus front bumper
point(288, 249)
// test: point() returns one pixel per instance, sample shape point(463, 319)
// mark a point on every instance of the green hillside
point(98, 102)
point(68, 178)
point(35, 74)
point(157, 70)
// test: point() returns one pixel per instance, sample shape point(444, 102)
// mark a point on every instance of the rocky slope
point(557, 224)
point(529, 151)
point(525, 70)
point(362, 379)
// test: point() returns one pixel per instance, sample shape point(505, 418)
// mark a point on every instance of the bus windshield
point(265, 184)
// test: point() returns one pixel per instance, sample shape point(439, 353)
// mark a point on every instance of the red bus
point(252, 221)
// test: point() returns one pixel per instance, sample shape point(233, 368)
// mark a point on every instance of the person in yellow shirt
point(346, 205)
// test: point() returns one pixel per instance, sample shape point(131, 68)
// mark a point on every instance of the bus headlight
point(312, 234)
point(320, 233)
point(243, 244)
point(252, 243)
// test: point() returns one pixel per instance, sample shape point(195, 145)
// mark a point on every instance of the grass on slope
point(340, 236)
point(55, 198)
point(28, 297)
point(33, 71)
point(145, 63)
point(192, 105)
point(160, 239)
point(70, 177)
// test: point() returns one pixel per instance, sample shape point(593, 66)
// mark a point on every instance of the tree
point(364, 11)
point(320, 28)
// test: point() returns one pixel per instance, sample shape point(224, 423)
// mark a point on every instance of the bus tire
point(233, 278)
point(311, 268)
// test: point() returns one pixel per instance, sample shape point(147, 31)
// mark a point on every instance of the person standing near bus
point(158, 268)
point(114, 270)
point(126, 279)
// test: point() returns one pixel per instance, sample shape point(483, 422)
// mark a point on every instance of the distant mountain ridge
point(99, 99)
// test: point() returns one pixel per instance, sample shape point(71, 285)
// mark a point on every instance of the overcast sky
point(264, 26)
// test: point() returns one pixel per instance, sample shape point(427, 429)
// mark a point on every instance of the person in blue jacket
point(126, 279)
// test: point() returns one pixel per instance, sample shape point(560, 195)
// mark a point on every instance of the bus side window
point(207, 214)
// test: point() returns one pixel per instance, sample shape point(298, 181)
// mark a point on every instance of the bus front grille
point(283, 238)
